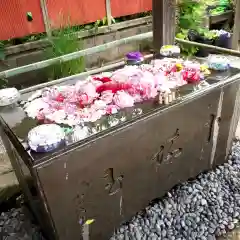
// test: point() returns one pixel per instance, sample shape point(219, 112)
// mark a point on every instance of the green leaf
point(2, 55)
point(113, 19)
point(98, 23)
point(181, 36)
point(63, 43)
point(104, 21)
point(2, 52)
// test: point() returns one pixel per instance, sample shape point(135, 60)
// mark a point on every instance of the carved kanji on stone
point(113, 185)
point(167, 152)
point(81, 211)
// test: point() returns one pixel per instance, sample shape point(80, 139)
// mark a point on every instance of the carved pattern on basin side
point(114, 185)
point(167, 152)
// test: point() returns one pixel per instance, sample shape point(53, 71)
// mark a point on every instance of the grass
point(63, 43)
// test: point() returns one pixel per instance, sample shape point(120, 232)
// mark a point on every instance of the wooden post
point(163, 22)
point(46, 18)
point(108, 12)
point(235, 37)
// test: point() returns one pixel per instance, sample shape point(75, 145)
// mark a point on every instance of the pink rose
point(107, 96)
point(123, 99)
point(89, 89)
point(112, 109)
point(96, 114)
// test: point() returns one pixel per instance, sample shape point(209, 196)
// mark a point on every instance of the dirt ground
point(234, 235)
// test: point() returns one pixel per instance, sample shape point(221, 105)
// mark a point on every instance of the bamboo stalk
point(72, 56)
point(108, 12)
point(100, 48)
point(79, 76)
point(46, 18)
point(219, 49)
point(69, 79)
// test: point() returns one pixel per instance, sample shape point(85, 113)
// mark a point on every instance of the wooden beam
point(163, 22)
point(235, 37)
point(108, 12)
point(46, 18)
point(226, 16)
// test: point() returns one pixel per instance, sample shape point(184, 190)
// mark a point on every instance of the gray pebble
point(203, 202)
point(164, 233)
point(231, 226)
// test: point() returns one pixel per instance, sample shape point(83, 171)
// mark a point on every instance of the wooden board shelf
point(226, 16)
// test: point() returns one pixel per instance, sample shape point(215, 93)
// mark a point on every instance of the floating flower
point(113, 87)
point(102, 79)
point(123, 99)
point(107, 96)
point(136, 56)
point(106, 93)
point(112, 109)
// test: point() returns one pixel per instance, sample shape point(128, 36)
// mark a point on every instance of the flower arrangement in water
point(107, 93)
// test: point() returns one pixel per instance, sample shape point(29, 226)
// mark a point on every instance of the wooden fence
point(14, 22)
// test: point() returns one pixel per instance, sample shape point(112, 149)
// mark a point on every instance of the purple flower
point(224, 33)
point(134, 56)
point(221, 33)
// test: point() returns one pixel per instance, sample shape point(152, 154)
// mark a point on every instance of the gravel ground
point(16, 224)
point(203, 209)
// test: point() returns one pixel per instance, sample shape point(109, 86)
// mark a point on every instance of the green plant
point(2, 51)
point(145, 14)
point(103, 22)
point(186, 49)
point(209, 34)
point(3, 83)
point(64, 42)
point(190, 16)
